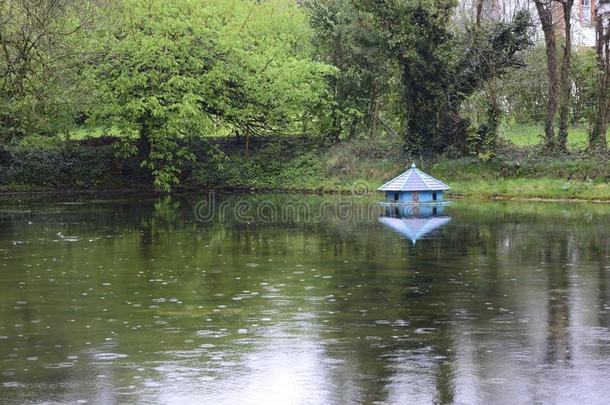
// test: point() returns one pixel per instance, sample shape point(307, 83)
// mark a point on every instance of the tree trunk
point(545, 13)
point(493, 115)
point(334, 133)
point(488, 131)
point(599, 127)
point(414, 126)
point(564, 79)
point(373, 111)
point(375, 119)
point(479, 13)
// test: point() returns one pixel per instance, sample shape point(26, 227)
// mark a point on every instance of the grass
point(532, 188)
point(527, 135)
point(486, 186)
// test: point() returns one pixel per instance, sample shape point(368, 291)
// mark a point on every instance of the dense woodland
point(165, 79)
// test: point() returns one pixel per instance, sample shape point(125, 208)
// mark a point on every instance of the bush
point(36, 161)
point(279, 163)
point(345, 157)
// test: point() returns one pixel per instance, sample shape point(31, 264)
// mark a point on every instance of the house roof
point(414, 180)
point(414, 228)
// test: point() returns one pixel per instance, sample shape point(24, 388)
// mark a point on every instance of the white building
point(583, 22)
point(583, 15)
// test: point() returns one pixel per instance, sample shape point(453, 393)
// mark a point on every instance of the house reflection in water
point(414, 221)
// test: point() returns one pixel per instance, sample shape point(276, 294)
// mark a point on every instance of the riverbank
point(295, 164)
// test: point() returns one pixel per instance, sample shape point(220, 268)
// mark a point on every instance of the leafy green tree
point(416, 34)
point(344, 38)
point(584, 77)
point(441, 67)
point(525, 88)
point(488, 53)
point(199, 67)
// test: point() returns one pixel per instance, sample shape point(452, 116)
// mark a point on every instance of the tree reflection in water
point(505, 303)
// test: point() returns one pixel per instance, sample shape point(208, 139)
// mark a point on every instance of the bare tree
point(30, 38)
point(35, 48)
point(559, 90)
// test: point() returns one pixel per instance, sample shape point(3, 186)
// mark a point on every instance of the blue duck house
point(414, 187)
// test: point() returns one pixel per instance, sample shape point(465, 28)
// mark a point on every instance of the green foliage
point(343, 37)
point(180, 72)
point(492, 49)
point(43, 162)
point(524, 89)
point(584, 81)
point(282, 163)
point(39, 54)
point(417, 35)
point(167, 79)
point(298, 163)
point(440, 68)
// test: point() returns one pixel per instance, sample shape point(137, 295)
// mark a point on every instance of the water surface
point(139, 300)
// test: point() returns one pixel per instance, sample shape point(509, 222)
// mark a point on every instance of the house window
point(395, 196)
point(434, 211)
point(586, 11)
point(433, 196)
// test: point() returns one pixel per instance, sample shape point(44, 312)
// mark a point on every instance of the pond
point(270, 299)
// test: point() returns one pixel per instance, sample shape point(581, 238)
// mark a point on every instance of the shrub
point(37, 162)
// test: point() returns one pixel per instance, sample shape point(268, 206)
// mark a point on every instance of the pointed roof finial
point(413, 165)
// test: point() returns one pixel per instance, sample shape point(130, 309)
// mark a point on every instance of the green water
point(139, 300)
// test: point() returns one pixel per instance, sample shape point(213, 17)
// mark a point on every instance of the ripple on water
point(109, 356)
point(382, 322)
point(212, 333)
point(12, 384)
point(58, 365)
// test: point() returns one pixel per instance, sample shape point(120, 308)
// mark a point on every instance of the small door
point(433, 196)
point(396, 196)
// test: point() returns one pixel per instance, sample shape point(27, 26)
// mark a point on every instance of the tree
point(441, 68)
point(38, 50)
point(417, 35)
point(167, 74)
point(487, 52)
point(524, 90)
point(584, 79)
point(559, 89)
point(599, 125)
point(565, 82)
point(344, 39)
